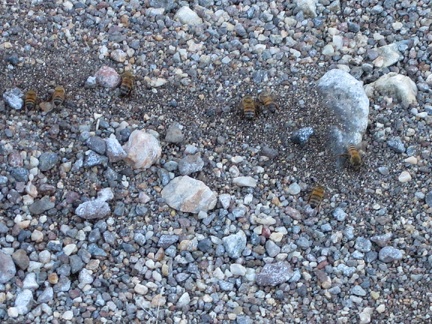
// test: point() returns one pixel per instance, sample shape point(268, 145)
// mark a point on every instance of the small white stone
point(237, 269)
point(13, 312)
point(411, 160)
point(69, 249)
point(68, 315)
point(404, 177)
point(237, 159)
point(140, 289)
point(248, 199)
point(381, 308)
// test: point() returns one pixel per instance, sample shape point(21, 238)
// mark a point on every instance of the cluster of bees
point(59, 94)
point(31, 98)
point(251, 109)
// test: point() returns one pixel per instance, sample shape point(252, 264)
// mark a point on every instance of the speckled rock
point(235, 244)
point(189, 195)
point(14, 98)
point(274, 274)
point(107, 77)
point(143, 150)
point(7, 268)
point(93, 209)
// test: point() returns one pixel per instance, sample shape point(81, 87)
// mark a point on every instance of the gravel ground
point(261, 255)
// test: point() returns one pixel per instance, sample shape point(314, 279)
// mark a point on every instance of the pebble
point(397, 86)
point(46, 296)
point(47, 161)
point(362, 244)
point(339, 214)
point(20, 258)
point(94, 209)
point(107, 77)
point(245, 182)
point(237, 269)
point(174, 134)
point(114, 150)
point(24, 301)
point(390, 254)
point(294, 189)
point(235, 244)
point(381, 240)
point(41, 205)
point(118, 55)
point(96, 144)
point(405, 176)
point(187, 16)
point(396, 144)
point(30, 282)
point(142, 149)
point(428, 199)
point(324, 280)
point(302, 135)
point(7, 268)
point(190, 164)
point(14, 98)
point(274, 274)
point(358, 291)
point(365, 315)
point(199, 197)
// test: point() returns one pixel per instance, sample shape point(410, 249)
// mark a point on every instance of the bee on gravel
point(353, 157)
point(316, 197)
point(30, 100)
point(127, 83)
point(249, 107)
point(267, 100)
point(58, 96)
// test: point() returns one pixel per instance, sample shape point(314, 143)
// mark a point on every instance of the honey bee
point(30, 100)
point(267, 100)
point(249, 107)
point(353, 157)
point(127, 83)
point(58, 96)
point(316, 196)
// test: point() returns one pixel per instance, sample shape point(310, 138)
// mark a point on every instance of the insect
point(267, 100)
point(30, 100)
point(58, 96)
point(353, 157)
point(316, 197)
point(127, 84)
point(249, 107)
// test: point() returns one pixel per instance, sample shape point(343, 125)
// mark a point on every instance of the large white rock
point(346, 99)
point(395, 85)
point(308, 7)
point(189, 195)
point(388, 55)
point(187, 16)
point(143, 150)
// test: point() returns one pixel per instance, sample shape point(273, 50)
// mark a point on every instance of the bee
point(267, 100)
point(127, 83)
point(30, 100)
point(249, 107)
point(353, 157)
point(58, 96)
point(316, 196)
